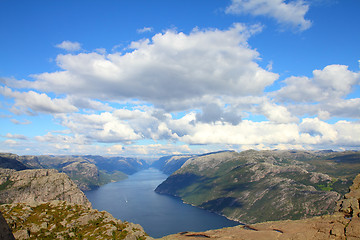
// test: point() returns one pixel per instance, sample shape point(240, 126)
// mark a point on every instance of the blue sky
point(151, 78)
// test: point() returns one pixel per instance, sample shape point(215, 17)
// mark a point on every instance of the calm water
point(134, 200)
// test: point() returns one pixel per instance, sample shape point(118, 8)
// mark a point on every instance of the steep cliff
point(62, 220)
point(343, 224)
point(258, 186)
point(38, 185)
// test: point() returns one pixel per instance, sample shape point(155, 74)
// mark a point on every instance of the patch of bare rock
point(39, 185)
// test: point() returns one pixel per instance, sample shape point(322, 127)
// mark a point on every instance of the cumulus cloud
point(277, 113)
point(169, 68)
point(290, 13)
point(213, 112)
point(201, 88)
point(69, 46)
point(32, 102)
point(332, 82)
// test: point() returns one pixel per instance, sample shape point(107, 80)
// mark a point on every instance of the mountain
point(343, 224)
point(11, 161)
point(38, 185)
point(88, 172)
point(257, 186)
point(169, 164)
point(46, 204)
point(123, 164)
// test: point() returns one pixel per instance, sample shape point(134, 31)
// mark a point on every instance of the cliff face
point(62, 220)
point(343, 224)
point(258, 186)
point(38, 185)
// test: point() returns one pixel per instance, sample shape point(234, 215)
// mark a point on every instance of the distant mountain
point(88, 172)
point(170, 164)
point(11, 161)
point(123, 164)
point(255, 186)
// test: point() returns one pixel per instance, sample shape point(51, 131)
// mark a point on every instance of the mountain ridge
point(254, 186)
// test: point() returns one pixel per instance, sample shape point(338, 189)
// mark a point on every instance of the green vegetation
point(6, 184)
point(255, 186)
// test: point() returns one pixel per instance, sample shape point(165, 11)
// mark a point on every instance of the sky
point(149, 78)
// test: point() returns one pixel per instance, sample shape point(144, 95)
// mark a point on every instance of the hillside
point(343, 224)
point(257, 186)
point(11, 161)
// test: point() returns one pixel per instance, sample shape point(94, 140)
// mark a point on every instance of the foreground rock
point(5, 231)
point(38, 185)
point(62, 220)
point(343, 224)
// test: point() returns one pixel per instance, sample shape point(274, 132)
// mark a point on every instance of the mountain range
point(252, 187)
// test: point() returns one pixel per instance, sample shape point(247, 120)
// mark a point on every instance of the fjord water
point(134, 200)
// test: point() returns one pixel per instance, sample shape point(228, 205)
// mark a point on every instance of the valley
point(249, 187)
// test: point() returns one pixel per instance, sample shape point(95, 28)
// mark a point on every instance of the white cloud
point(69, 46)
point(16, 136)
point(277, 113)
point(332, 82)
point(104, 127)
point(287, 13)
point(247, 132)
point(32, 102)
point(145, 29)
point(10, 142)
point(15, 121)
point(169, 68)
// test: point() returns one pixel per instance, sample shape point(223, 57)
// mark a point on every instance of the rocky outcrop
point(343, 224)
point(38, 185)
point(62, 220)
point(5, 231)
